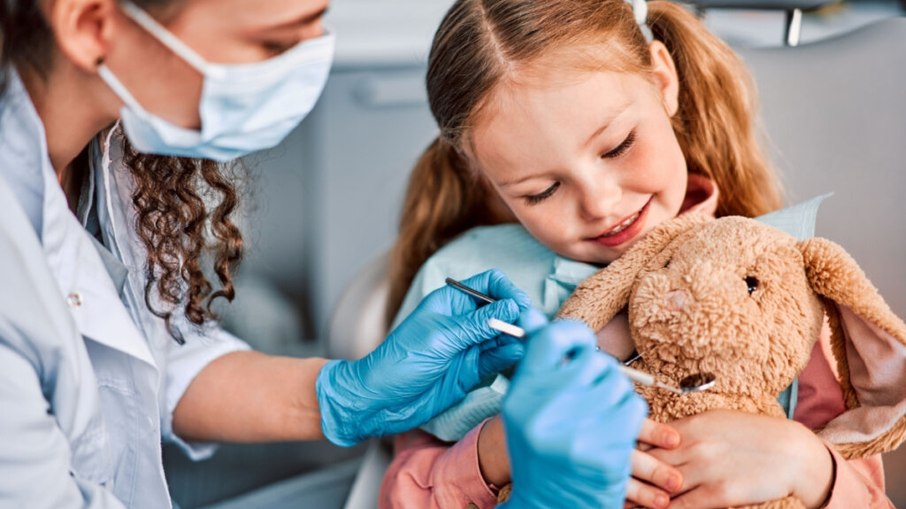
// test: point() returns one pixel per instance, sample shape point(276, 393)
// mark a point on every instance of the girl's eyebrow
point(607, 123)
point(617, 112)
point(520, 180)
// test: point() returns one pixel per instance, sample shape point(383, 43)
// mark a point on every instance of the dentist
point(116, 120)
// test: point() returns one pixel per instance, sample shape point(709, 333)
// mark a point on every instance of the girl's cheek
point(649, 169)
point(548, 228)
point(644, 162)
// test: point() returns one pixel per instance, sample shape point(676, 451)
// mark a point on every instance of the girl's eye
point(538, 198)
point(622, 147)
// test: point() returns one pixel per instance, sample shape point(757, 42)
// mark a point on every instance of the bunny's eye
point(752, 284)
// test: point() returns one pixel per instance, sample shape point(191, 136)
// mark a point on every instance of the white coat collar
point(74, 262)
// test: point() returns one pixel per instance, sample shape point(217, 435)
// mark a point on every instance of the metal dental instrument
point(474, 293)
point(494, 323)
point(692, 383)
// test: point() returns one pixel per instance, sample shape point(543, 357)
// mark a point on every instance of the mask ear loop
point(117, 86)
point(153, 27)
point(640, 12)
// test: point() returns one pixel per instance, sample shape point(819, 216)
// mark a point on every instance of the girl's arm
point(857, 483)
point(650, 486)
point(429, 473)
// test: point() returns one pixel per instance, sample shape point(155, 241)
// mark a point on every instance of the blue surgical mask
point(243, 107)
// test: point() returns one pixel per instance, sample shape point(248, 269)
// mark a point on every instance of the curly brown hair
point(184, 206)
point(183, 215)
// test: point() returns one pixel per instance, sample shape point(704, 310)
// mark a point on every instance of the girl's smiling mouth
point(625, 230)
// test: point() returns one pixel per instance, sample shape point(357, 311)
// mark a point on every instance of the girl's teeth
point(622, 226)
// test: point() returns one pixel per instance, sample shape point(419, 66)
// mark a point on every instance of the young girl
point(589, 123)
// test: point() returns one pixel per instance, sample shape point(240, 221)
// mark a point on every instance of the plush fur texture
point(691, 311)
point(746, 302)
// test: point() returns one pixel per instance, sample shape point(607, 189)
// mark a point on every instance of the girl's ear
point(602, 295)
point(665, 76)
point(83, 29)
point(869, 343)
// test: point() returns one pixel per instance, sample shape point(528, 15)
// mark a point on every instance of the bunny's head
point(746, 302)
point(728, 297)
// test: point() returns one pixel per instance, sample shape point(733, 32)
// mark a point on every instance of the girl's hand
point(652, 479)
point(730, 458)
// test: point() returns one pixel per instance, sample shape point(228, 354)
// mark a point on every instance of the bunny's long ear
point(603, 294)
point(869, 343)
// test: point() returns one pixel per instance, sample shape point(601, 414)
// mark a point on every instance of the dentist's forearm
point(252, 397)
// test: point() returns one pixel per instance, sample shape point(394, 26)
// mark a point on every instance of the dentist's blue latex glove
point(427, 364)
point(571, 420)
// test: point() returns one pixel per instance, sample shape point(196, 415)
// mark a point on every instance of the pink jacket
point(428, 473)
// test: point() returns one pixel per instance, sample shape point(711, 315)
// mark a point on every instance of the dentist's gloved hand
point(571, 420)
point(427, 364)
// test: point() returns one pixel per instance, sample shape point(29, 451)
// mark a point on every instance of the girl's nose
point(600, 196)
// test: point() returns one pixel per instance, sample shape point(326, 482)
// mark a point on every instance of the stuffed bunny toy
point(746, 302)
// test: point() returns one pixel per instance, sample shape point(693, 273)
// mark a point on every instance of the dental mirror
point(698, 382)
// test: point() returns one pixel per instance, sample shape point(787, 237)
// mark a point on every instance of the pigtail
point(444, 198)
point(717, 107)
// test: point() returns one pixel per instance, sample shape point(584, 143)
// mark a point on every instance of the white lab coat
point(89, 377)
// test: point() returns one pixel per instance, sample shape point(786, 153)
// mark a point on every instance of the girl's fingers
point(657, 434)
point(700, 498)
point(678, 456)
point(639, 494)
point(647, 468)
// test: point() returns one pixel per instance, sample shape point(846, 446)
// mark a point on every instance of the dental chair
point(792, 11)
point(834, 114)
point(357, 326)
